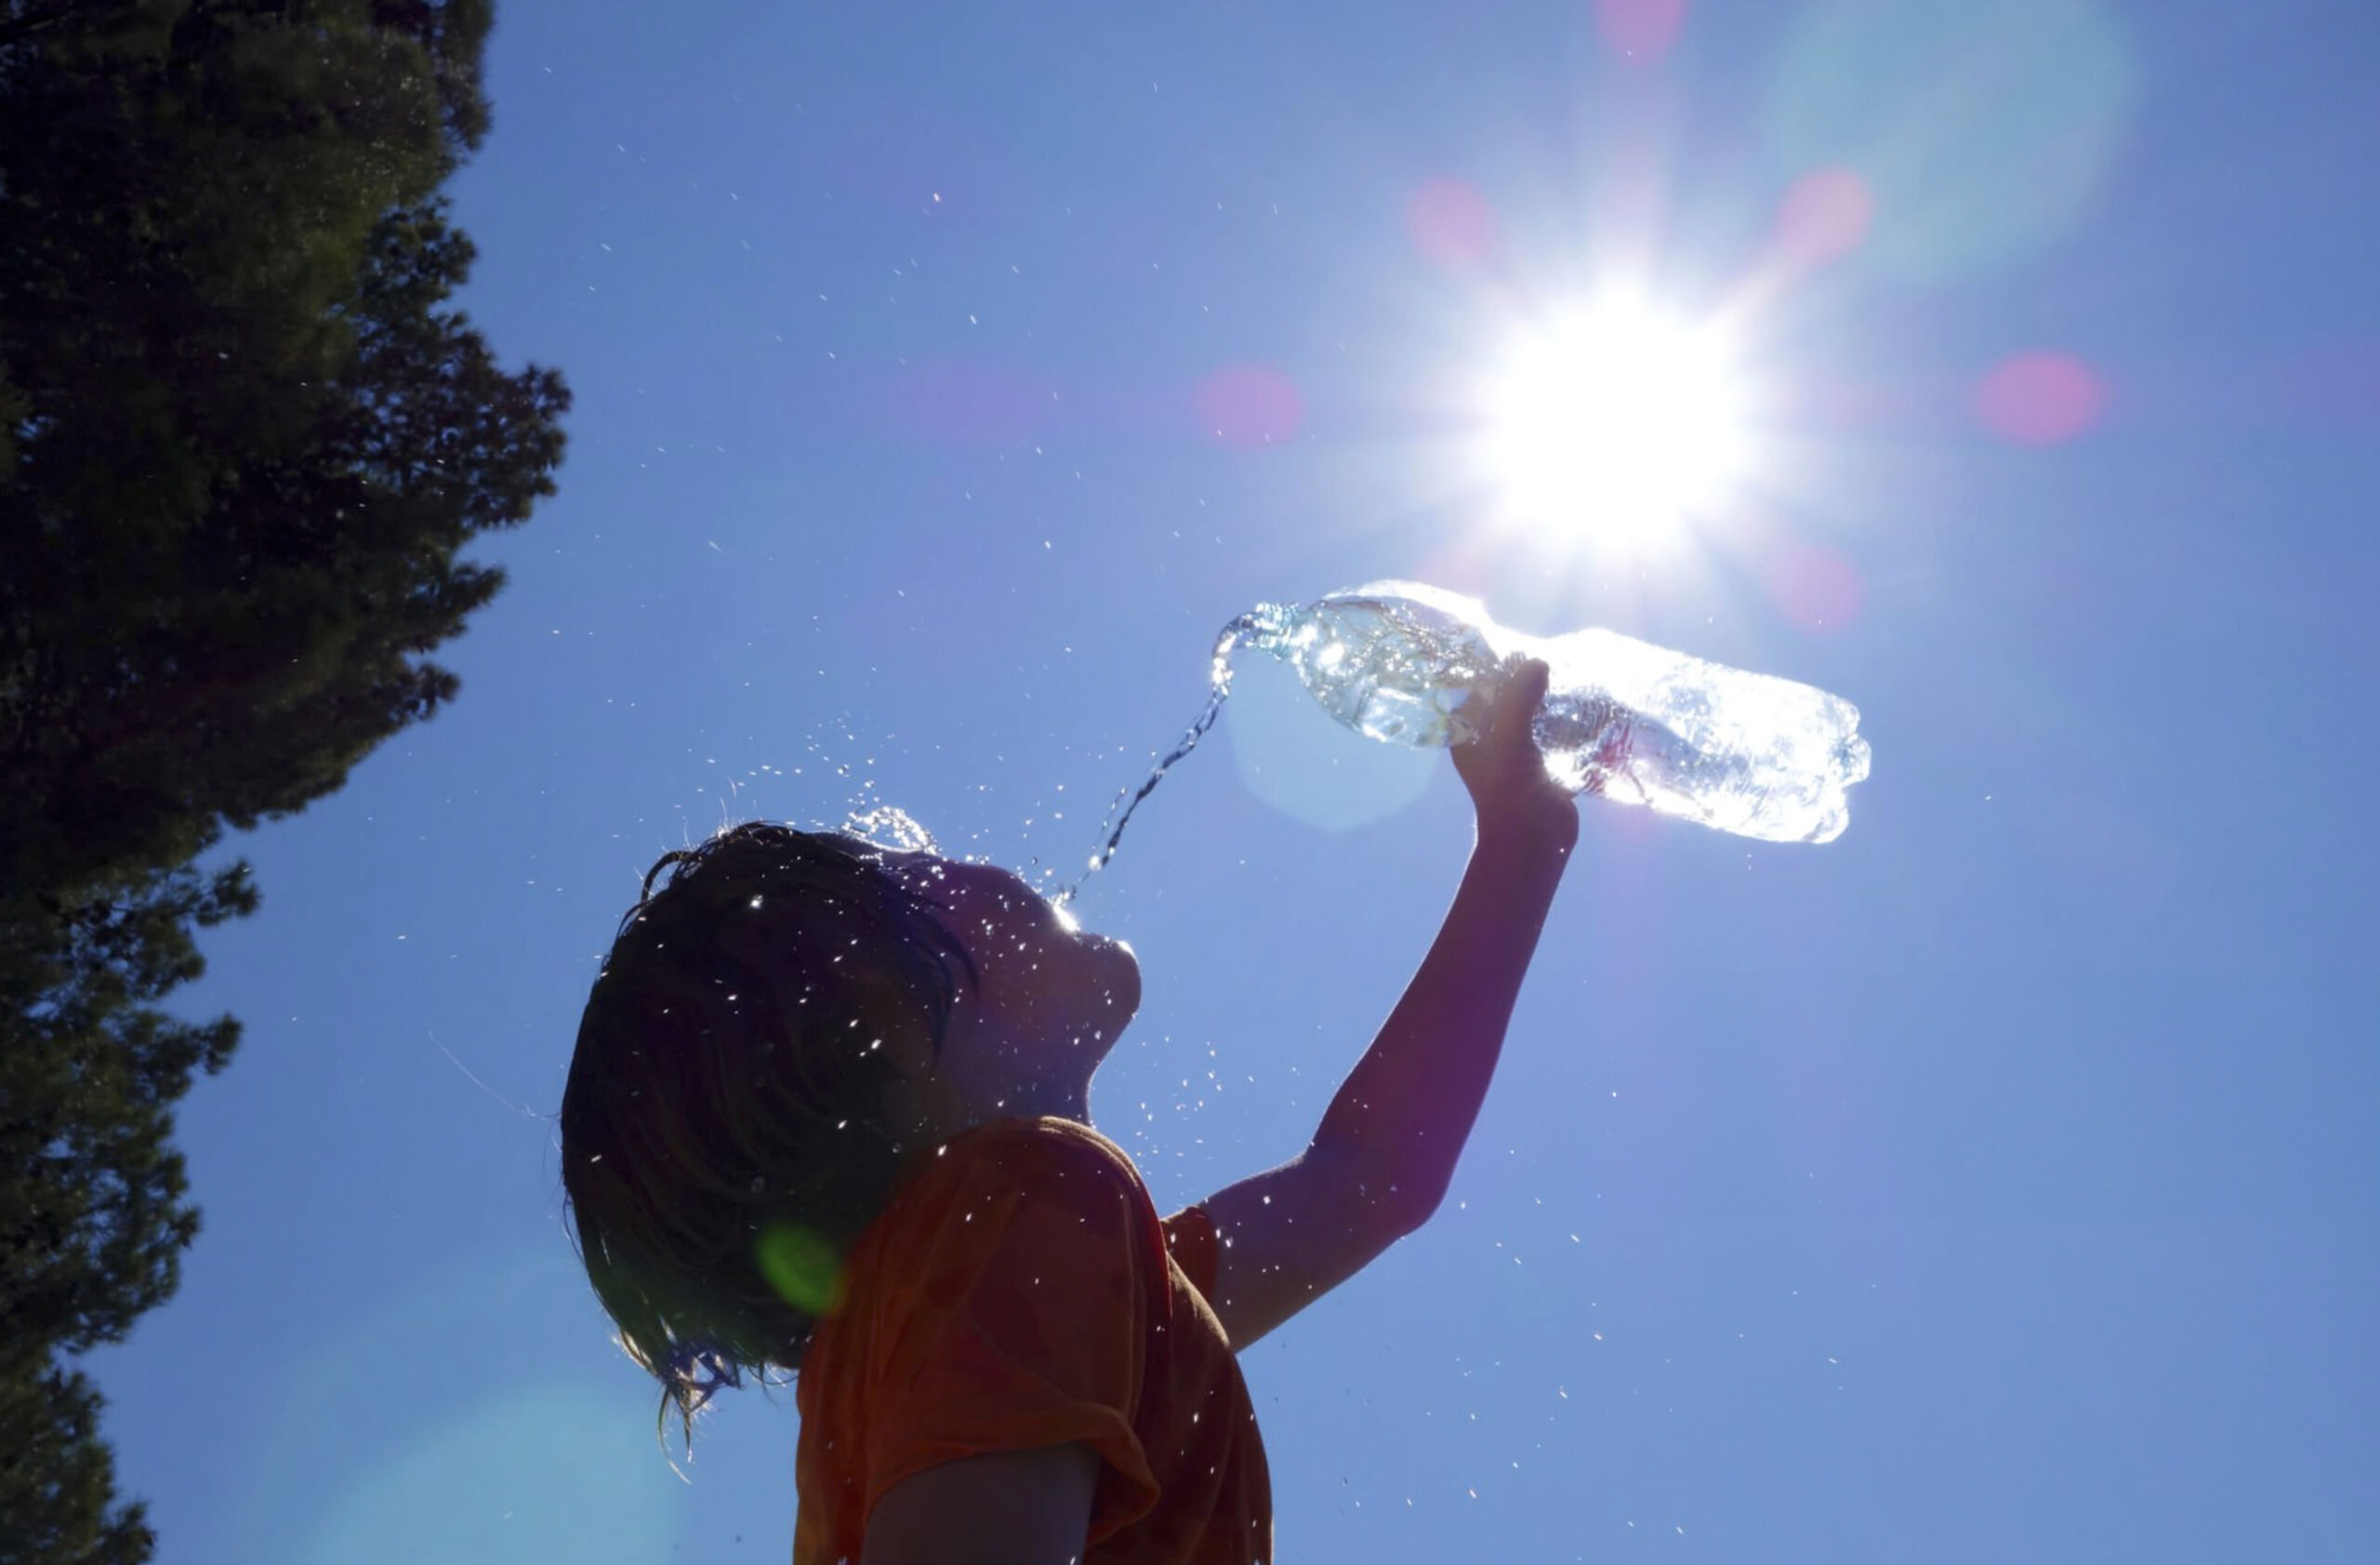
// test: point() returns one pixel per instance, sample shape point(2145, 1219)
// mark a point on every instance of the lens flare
point(1451, 224)
point(1825, 215)
point(802, 1267)
point(1248, 405)
point(1639, 31)
point(2041, 399)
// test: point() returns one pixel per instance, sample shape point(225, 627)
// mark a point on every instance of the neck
point(925, 1115)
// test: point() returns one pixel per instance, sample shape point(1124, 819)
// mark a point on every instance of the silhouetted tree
point(242, 436)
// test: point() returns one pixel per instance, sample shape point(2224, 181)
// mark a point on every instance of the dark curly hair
point(723, 1133)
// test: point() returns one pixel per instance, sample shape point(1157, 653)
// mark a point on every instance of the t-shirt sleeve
point(1023, 1324)
point(1190, 1239)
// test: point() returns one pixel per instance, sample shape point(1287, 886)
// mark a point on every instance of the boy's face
point(1050, 1002)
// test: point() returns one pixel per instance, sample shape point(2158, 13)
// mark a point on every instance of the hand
point(1510, 788)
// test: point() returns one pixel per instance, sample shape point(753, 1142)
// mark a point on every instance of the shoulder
point(1010, 1206)
point(1046, 1152)
point(1057, 1182)
point(1008, 1172)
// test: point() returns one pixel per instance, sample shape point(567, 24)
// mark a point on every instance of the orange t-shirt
point(1019, 1290)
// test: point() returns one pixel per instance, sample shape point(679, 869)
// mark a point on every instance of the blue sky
point(1996, 1182)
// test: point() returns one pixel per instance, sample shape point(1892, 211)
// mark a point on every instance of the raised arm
point(1407, 1107)
point(1385, 1152)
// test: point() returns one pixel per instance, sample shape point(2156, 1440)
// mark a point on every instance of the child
point(828, 1111)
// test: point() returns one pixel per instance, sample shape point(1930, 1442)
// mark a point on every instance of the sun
point(1611, 424)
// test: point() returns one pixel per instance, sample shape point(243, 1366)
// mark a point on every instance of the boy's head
point(725, 1130)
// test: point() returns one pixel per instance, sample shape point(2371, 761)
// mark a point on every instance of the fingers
point(1523, 695)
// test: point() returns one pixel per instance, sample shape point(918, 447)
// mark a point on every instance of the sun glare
point(1611, 424)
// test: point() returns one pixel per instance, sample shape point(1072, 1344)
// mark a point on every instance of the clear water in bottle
point(1746, 753)
point(1743, 753)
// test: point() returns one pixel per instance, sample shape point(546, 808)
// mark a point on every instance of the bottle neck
point(1267, 626)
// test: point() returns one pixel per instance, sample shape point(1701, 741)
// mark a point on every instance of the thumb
point(1523, 693)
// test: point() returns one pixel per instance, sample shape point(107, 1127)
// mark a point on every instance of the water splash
point(891, 827)
point(1260, 627)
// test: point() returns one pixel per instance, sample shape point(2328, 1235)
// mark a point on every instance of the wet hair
point(724, 1130)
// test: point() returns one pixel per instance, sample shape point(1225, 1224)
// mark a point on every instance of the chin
point(1105, 997)
point(1113, 986)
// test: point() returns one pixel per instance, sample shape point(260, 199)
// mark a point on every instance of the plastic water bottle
point(1622, 718)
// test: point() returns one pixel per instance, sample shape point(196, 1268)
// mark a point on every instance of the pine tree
point(242, 436)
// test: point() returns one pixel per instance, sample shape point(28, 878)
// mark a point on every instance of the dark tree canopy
point(242, 436)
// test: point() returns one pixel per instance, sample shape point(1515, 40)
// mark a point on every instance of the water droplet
point(890, 827)
point(1257, 627)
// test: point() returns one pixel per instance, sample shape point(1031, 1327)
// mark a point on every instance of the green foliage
point(242, 436)
point(57, 1475)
